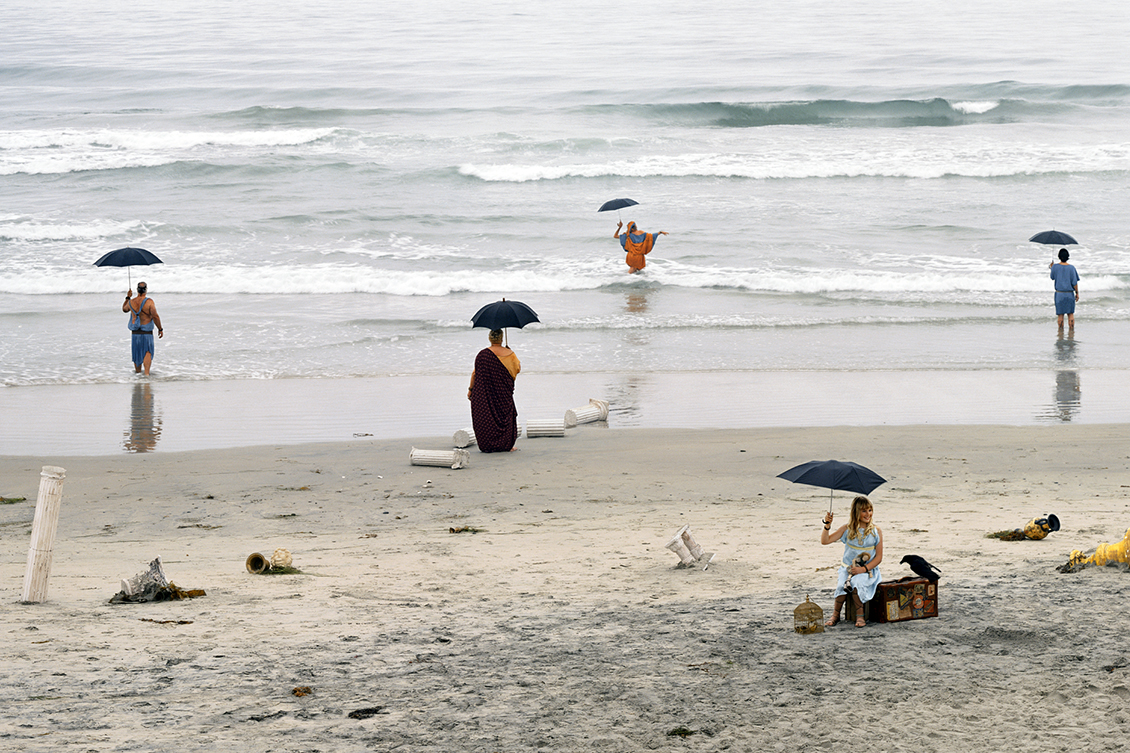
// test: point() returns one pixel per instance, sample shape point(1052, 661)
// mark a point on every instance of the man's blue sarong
point(142, 343)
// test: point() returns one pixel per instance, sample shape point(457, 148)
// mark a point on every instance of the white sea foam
point(42, 152)
point(27, 229)
point(556, 276)
point(892, 158)
point(155, 140)
point(976, 108)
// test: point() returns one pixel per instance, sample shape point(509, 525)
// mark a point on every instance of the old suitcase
point(909, 598)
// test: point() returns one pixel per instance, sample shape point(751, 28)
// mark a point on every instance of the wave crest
point(547, 277)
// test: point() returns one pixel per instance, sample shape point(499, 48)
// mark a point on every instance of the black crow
point(921, 567)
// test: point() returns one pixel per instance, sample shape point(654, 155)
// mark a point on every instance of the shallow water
point(849, 193)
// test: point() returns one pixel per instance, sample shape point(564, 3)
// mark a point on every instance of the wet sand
point(157, 415)
point(564, 624)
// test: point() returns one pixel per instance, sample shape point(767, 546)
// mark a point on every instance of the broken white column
point(596, 410)
point(453, 459)
point(696, 549)
point(43, 528)
point(679, 547)
point(551, 427)
point(464, 437)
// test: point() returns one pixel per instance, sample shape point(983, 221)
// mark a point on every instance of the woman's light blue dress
point(865, 584)
point(1066, 278)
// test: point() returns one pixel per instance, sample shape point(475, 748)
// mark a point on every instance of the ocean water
point(336, 188)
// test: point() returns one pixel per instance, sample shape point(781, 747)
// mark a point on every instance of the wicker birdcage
point(808, 618)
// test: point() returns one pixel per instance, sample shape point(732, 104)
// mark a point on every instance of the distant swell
point(894, 114)
point(1003, 101)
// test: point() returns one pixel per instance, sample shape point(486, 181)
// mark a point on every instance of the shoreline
point(152, 415)
point(564, 622)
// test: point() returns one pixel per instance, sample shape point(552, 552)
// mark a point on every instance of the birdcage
point(808, 618)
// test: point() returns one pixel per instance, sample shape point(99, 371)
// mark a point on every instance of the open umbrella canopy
point(834, 474)
point(1054, 238)
point(608, 206)
point(128, 257)
point(503, 314)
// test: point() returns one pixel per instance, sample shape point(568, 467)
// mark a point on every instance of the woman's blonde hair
point(858, 505)
point(495, 336)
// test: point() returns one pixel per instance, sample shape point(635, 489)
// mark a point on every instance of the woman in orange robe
point(637, 244)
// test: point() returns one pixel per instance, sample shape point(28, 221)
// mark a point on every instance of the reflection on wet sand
point(625, 398)
point(636, 302)
point(144, 421)
point(1065, 348)
point(1068, 392)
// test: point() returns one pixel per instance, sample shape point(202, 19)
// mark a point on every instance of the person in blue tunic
point(1066, 283)
point(863, 551)
point(142, 319)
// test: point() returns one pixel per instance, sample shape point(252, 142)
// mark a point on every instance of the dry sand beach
point(564, 624)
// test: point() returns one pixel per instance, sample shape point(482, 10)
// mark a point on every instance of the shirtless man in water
point(142, 318)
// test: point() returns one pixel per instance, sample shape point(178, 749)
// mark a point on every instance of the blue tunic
point(636, 238)
point(865, 584)
point(141, 341)
point(1066, 278)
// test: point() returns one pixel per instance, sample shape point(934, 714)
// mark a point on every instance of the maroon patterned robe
point(494, 416)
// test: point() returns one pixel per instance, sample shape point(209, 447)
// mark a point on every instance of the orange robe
point(638, 245)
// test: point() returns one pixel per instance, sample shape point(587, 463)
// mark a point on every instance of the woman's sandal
point(860, 620)
point(832, 621)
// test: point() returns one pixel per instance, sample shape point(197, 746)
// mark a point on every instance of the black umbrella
point(834, 474)
point(1054, 238)
point(608, 206)
point(503, 314)
point(128, 257)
